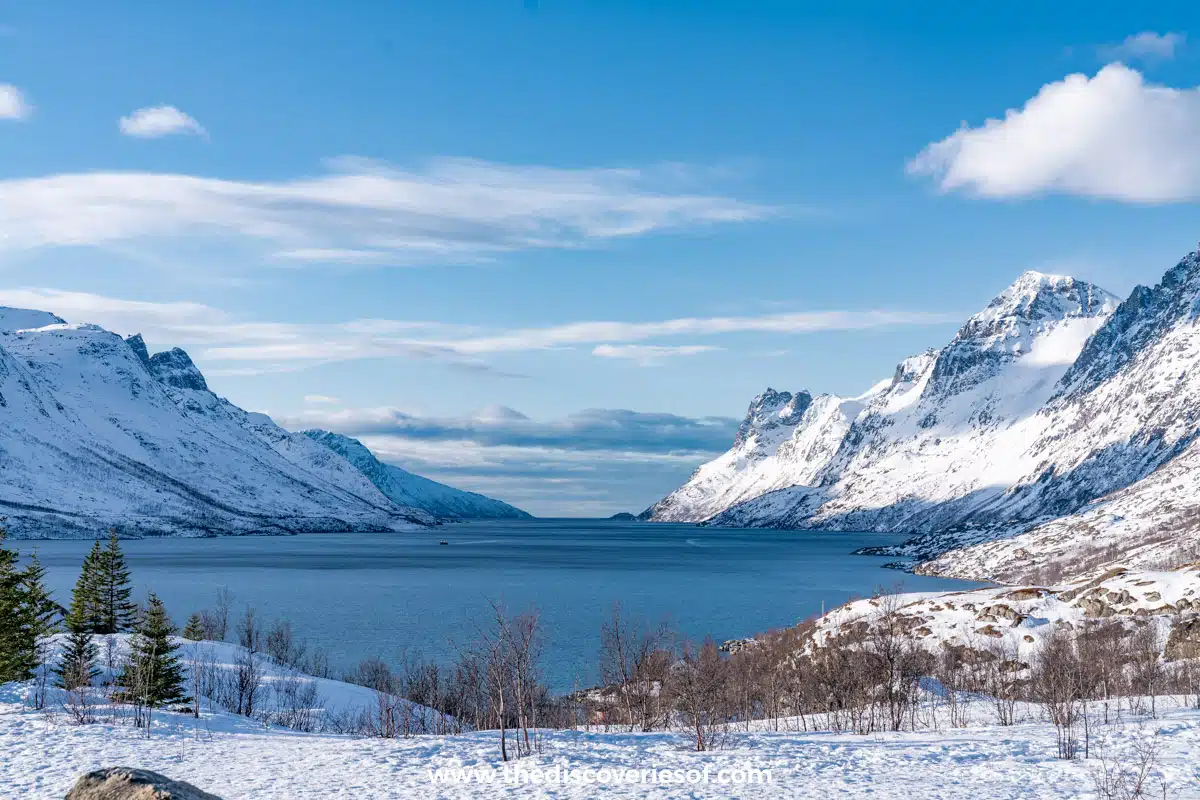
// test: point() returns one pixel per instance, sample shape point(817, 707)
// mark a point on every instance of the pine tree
point(77, 667)
point(154, 676)
point(195, 630)
point(117, 612)
point(27, 616)
point(86, 609)
point(11, 638)
point(39, 617)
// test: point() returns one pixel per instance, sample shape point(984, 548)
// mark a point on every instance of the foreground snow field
point(42, 754)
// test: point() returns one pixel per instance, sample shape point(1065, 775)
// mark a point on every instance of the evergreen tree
point(86, 611)
point(78, 664)
point(77, 667)
point(39, 615)
point(27, 616)
point(194, 630)
point(11, 637)
point(154, 676)
point(117, 612)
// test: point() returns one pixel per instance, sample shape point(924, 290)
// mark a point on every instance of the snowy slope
point(235, 758)
point(407, 489)
point(97, 434)
point(1153, 521)
point(1029, 448)
point(751, 466)
point(949, 427)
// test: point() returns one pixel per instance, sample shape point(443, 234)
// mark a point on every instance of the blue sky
point(404, 221)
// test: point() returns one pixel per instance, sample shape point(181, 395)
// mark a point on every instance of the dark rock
point(1184, 640)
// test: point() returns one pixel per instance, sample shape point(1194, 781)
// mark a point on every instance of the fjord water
point(395, 594)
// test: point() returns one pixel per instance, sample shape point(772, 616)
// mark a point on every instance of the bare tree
point(249, 631)
point(698, 689)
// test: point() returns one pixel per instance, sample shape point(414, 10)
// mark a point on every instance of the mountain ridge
point(99, 433)
point(1052, 398)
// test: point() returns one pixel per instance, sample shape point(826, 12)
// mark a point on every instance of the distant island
point(624, 516)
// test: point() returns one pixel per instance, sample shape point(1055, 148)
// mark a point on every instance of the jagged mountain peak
point(770, 410)
point(1037, 296)
point(138, 345)
point(174, 367)
point(1024, 316)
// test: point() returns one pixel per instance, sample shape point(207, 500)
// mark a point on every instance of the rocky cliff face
point(98, 433)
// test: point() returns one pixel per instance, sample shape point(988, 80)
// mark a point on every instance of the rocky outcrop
point(127, 783)
point(1184, 640)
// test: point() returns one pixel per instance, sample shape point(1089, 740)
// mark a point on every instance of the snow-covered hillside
point(98, 434)
point(1054, 434)
point(1016, 620)
point(406, 489)
point(754, 465)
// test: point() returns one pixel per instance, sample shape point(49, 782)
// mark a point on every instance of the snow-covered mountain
point(96, 433)
point(945, 426)
point(1044, 419)
point(406, 489)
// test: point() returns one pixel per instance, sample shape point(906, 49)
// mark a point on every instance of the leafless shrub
point(1132, 773)
point(698, 686)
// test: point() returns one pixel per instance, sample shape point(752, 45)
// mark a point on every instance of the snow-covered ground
point(42, 755)
point(1020, 618)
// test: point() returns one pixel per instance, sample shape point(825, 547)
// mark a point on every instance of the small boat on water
point(443, 541)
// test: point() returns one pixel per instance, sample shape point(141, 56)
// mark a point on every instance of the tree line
point(151, 676)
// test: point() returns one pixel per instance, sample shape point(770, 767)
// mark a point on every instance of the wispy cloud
point(1112, 136)
point(320, 399)
point(13, 104)
point(159, 121)
point(364, 212)
point(241, 347)
point(592, 429)
point(1145, 46)
point(647, 355)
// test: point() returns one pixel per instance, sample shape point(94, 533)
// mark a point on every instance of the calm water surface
point(361, 595)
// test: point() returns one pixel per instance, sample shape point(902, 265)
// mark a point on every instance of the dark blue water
point(388, 595)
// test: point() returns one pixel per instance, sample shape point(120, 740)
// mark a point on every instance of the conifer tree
point(77, 667)
point(154, 676)
point(86, 611)
point(27, 616)
point(117, 612)
point(11, 640)
point(195, 630)
point(39, 621)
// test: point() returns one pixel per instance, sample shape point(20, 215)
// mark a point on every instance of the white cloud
point(1145, 46)
point(12, 103)
point(647, 355)
point(159, 121)
point(241, 347)
point(320, 399)
point(1112, 136)
point(362, 211)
